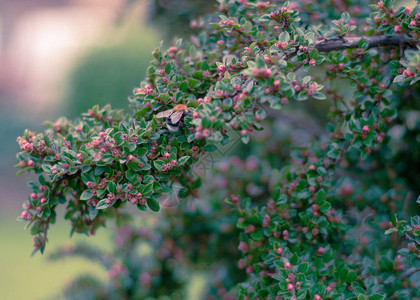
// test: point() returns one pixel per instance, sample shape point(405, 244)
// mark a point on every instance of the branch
point(373, 41)
point(408, 237)
point(409, 272)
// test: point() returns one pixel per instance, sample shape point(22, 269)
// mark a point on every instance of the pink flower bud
point(43, 200)
point(320, 251)
point(317, 297)
point(365, 129)
point(287, 265)
point(249, 269)
point(221, 68)
point(243, 247)
point(279, 251)
point(289, 287)
point(397, 28)
point(166, 155)
point(241, 263)
point(26, 216)
point(250, 228)
point(130, 157)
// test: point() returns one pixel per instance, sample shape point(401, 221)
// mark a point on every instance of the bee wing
point(176, 116)
point(165, 114)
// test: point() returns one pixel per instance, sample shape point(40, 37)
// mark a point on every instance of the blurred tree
point(107, 74)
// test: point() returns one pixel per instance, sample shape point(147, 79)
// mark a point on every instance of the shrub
point(307, 212)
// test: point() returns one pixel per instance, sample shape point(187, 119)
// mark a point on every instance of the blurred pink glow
point(44, 43)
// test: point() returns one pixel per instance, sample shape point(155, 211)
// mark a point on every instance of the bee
point(173, 116)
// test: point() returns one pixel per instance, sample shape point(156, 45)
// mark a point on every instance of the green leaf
point(99, 171)
point(294, 259)
point(86, 169)
point(86, 195)
point(153, 204)
point(319, 96)
point(102, 204)
point(284, 37)
point(206, 123)
point(210, 148)
point(158, 164)
point(184, 87)
point(44, 182)
point(325, 207)
point(343, 274)
point(146, 190)
point(377, 297)
point(394, 220)
point(303, 267)
point(352, 276)
point(276, 194)
point(93, 212)
point(320, 197)
point(112, 188)
point(385, 263)
point(182, 160)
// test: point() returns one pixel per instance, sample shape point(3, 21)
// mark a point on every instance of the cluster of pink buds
point(26, 215)
point(226, 22)
point(221, 68)
point(234, 198)
point(262, 73)
point(398, 264)
point(91, 184)
point(201, 132)
point(263, 5)
point(409, 73)
point(103, 146)
point(116, 270)
point(169, 166)
point(136, 199)
point(243, 247)
point(275, 15)
point(282, 45)
point(206, 99)
point(311, 90)
point(147, 90)
point(172, 52)
point(25, 145)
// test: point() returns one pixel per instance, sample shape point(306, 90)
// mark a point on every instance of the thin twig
point(409, 272)
point(372, 41)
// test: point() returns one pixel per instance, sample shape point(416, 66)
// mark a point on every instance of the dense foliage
point(306, 212)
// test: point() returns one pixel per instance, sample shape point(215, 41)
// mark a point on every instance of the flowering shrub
point(315, 210)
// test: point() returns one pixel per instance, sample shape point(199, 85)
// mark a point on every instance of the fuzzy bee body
point(173, 116)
